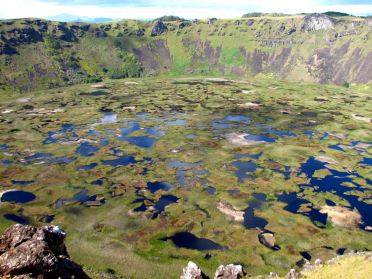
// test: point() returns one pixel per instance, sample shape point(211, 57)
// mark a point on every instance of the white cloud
point(183, 8)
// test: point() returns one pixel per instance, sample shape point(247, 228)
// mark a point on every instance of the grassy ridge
point(39, 54)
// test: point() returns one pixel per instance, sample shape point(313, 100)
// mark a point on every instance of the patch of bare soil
point(342, 216)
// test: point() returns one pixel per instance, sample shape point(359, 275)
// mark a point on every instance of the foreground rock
point(192, 271)
point(29, 252)
point(342, 216)
point(230, 271)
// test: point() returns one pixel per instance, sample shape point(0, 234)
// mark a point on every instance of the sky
point(148, 9)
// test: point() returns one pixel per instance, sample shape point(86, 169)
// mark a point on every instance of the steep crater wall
point(38, 54)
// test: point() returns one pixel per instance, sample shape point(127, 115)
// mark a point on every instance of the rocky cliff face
point(317, 22)
point(316, 48)
point(29, 252)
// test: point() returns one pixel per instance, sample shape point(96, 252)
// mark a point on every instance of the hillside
point(37, 54)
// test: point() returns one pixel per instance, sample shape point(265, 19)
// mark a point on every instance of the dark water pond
point(324, 136)
point(177, 122)
point(182, 167)
point(142, 207)
point(156, 186)
point(237, 118)
point(250, 220)
point(98, 182)
point(87, 167)
point(336, 147)
point(335, 183)
point(3, 147)
point(367, 161)
point(47, 218)
point(86, 149)
point(159, 206)
point(155, 131)
point(243, 169)
point(18, 197)
point(210, 190)
point(65, 134)
point(80, 197)
point(311, 166)
point(132, 127)
point(189, 241)
point(294, 203)
point(22, 182)
point(143, 141)
point(163, 202)
point(37, 156)
point(259, 138)
point(121, 161)
point(62, 160)
point(16, 218)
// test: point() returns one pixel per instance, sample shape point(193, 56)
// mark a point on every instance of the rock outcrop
point(192, 271)
point(158, 28)
point(229, 271)
point(184, 24)
point(316, 22)
point(268, 239)
point(29, 252)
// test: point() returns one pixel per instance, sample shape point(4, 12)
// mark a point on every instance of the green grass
point(260, 41)
point(109, 236)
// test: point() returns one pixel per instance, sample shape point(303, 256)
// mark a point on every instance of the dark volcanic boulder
point(158, 28)
point(36, 253)
point(7, 49)
point(184, 24)
point(139, 32)
point(64, 33)
point(21, 36)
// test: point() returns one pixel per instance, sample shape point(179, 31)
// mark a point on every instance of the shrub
point(52, 45)
point(335, 14)
point(170, 18)
point(131, 67)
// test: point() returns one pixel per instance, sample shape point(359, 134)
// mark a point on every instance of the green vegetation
point(130, 68)
point(353, 266)
point(269, 44)
point(170, 18)
point(186, 117)
point(257, 14)
point(166, 122)
point(336, 14)
point(53, 46)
